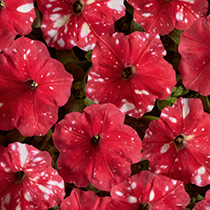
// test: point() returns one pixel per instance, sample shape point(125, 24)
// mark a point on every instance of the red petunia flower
point(27, 179)
point(130, 72)
point(96, 147)
point(194, 48)
point(16, 17)
point(84, 201)
point(72, 23)
point(146, 191)
point(177, 145)
point(204, 204)
point(163, 16)
point(32, 87)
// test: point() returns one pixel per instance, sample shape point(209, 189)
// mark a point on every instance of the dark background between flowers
point(78, 63)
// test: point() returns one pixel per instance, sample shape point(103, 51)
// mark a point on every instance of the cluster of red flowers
point(128, 76)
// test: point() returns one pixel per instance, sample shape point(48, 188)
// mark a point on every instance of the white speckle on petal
point(57, 9)
point(23, 154)
point(144, 92)
point(90, 1)
point(119, 193)
point(1, 104)
point(61, 42)
point(198, 179)
point(48, 5)
point(132, 199)
point(166, 188)
point(146, 14)
point(85, 30)
point(127, 106)
point(116, 4)
point(151, 195)
point(168, 90)
point(60, 20)
point(27, 196)
point(201, 170)
point(179, 15)
point(149, 108)
point(186, 108)
point(52, 32)
point(44, 189)
point(172, 119)
point(164, 148)
point(25, 8)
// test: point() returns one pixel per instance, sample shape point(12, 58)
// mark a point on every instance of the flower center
point(77, 7)
point(127, 72)
point(144, 206)
point(30, 84)
point(95, 139)
point(2, 4)
point(19, 177)
point(179, 141)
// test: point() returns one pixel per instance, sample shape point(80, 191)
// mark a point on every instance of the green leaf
point(136, 27)
point(175, 35)
point(206, 103)
point(88, 55)
point(37, 20)
point(88, 101)
point(65, 56)
point(163, 103)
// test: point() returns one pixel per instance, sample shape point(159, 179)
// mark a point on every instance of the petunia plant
point(27, 180)
point(130, 72)
point(96, 147)
point(16, 18)
point(104, 105)
point(32, 87)
point(66, 24)
point(164, 15)
point(177, 145)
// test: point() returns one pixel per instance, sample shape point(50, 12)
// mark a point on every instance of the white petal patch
point(146, 14)
point(116, 4)
point(179, 15)
point(189, 1)
point(90, 1)
point(151, 195)
point(198, 180)
point(186, 108)
point(23, 153)
point(201, 170)
point(25, 8)
point(85, 30)
point(127, 106)
point(1, 104)
point(27, 196)
point(61, 42)
point(60, 185)
point(132, 199)
point(172, 119)
point(119, 193)
point(44, 189)
point(144, 92)
point(164, 148)
point(59, 20)
point(52, 32)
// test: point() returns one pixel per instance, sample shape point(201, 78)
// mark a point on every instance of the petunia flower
point(32, 88)
point(27, 179)
point(130, 72)
point(149, 192)
point(79, 199)
point(163, 16)
point(96, 147)
point(178, 144)
point(204, 204)
point(16, 18)
point(70, 23)
point(194, 48)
